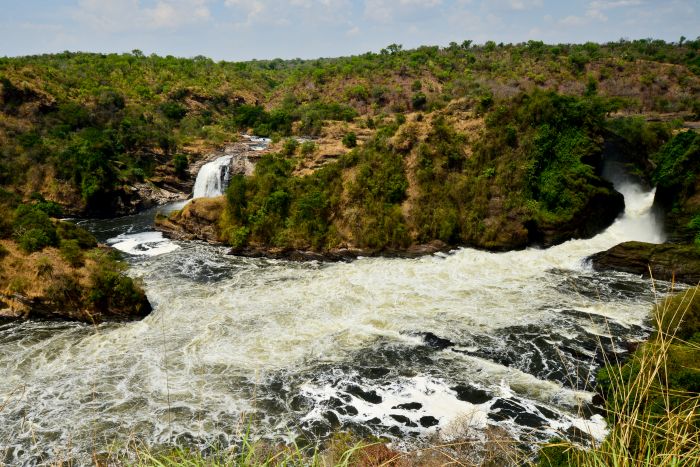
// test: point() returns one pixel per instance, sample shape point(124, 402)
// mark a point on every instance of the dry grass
point(651, 422)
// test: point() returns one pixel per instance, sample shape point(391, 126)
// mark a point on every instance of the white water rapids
point(403, 348)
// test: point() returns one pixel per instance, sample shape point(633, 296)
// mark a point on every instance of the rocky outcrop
point(601, 211)
point(677, 177)
point(667, 261)
point(198, 220)
point(338, 254)
point(20, 306)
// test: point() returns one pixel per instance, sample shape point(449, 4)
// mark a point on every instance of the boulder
point(667, 261)
point(198, 220)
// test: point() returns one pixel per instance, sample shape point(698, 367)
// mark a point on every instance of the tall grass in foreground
point(653, 400)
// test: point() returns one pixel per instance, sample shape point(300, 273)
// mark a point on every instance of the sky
point(264, 29)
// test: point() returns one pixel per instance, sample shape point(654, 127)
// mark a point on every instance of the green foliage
point(350, 140)
point(308, 148)
point(180, 164)
point(173, 110)
point(70, 231)
point(678, 162)
point(110, 289)
point(33, 228)
point(274, 208)
point(72, 252)
point(290, 147)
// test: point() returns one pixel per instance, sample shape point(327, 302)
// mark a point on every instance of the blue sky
point(246, 29)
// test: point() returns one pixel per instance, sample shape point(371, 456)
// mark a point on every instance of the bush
point(308, 148)
point(180, 164)
point(290, 147)
point(72, 253)
point(110, 289)
point(70, 231)
point(350, 140)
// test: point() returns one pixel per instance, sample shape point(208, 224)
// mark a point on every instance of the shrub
point(35, 239)
point(173, 110)
point(180, 164)
point(66, 292)
point(418, 101)
point(70, 231)
point(350, 140)
point(72, 252)
point(110, 289)
point(290, 147)
point(308, 148)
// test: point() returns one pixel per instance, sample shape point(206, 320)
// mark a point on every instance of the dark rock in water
point(403, 419)
point(428, 421)
point(409, 406)
point(504, 409)
point(546, 412)
point(471, 394)
point(374, 373)
point(530, 420)
point(332, 418)
point(370, 396)
point(437, 342)
point(667, 261)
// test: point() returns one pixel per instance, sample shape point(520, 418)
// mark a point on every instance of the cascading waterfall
point(405, 348)
point(213, 178)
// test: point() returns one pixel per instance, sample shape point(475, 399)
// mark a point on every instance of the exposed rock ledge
point(667, 261)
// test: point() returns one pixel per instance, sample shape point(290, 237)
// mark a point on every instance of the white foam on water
point(143, 244)
point(225, 330)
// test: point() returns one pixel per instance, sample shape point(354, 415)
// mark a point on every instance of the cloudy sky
point(246, 29)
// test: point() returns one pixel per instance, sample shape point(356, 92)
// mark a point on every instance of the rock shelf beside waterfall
point(667, 261)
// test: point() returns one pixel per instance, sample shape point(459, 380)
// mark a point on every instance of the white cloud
point(282, 12)
point(385, 11)
point(608, 5)
point(123, 15)
point(525, 4)
point(595, 12)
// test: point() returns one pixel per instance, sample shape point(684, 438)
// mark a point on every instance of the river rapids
point(443, 345)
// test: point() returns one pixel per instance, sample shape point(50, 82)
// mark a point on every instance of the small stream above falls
point(404, 348)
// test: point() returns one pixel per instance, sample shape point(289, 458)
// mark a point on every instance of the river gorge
point(447, 344)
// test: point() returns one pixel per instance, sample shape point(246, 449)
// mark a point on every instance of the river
point(405, 348)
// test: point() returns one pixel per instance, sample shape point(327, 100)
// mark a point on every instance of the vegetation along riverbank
point(520, 153)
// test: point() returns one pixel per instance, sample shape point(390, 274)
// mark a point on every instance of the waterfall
point(213, 178)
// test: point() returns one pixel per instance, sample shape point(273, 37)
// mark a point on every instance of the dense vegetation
point(49, 266)
point(677, 176)
point(535, 170)
point(80, 128)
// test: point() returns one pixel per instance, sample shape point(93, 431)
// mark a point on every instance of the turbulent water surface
point(403, 348)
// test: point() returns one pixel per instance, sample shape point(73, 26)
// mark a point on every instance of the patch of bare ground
point(329, 145)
